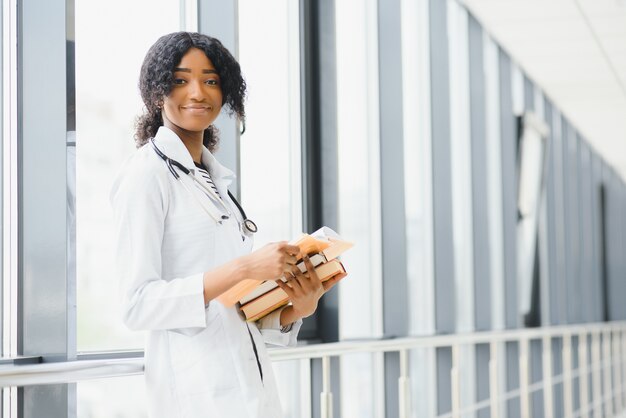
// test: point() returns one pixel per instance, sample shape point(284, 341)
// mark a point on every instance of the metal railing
point(603, 369)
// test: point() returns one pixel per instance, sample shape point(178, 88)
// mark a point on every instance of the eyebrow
point(187, 70)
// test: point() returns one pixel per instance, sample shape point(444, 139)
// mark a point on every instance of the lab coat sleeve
point(271, 331)
point(140, 203)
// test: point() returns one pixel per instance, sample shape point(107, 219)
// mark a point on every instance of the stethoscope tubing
point(248, 224)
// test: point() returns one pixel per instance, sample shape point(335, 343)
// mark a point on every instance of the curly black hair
point(157, 79)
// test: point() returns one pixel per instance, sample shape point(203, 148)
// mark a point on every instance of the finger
point(296, 283)
point(291, 259)
point(328, 284)
point(292, 249)
point(286, 288)
point(295, 271)
point(310, 268)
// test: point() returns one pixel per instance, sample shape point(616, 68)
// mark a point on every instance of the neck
point(194, 146)
point(191, 139)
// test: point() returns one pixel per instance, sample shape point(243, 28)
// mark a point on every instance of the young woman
point(182, 241)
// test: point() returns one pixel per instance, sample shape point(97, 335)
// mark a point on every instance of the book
point(276, 298)
point(268, 285)
point(324, 242)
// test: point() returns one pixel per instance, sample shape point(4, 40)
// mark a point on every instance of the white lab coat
point(200, 361)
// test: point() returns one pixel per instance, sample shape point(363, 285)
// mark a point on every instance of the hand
point(305, 290)
point(271, 261)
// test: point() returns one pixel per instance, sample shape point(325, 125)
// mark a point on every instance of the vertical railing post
point(567, 375)
point(404, 387)
point(546, 358)
point(583, 375)
point(607, 395)
point(596, 372)
point(455, 379)
point(523, 378)
point(326, 397)
point(494, 382)
point(623, 363)
point(616, 367)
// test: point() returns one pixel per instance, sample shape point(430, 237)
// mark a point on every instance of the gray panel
point(557, 370)
point(535, 364)
point(319, 100)
point(573, 226)
point(508, 131)
point(328, 320)
point(445, 315)
point(529, 95)
point(512, 379)
point(444, 382)
point(576, 379)
point(42, 156)
point(218, 18)
point(616, 283)
point(442, 171)
point(395, 287)
point(559, 295)
point(312, 193)
point(328, 111)
point(536, 375)
point(48, 401)
point(480, 210)
point(567, 232)
point(43, 293)
point(552, 218)
point(392, 373)
point(586, 232)
point(2, 202)
point(482, 378)
point(596, 238)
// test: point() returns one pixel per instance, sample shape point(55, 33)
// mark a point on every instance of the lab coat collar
point(171, 145)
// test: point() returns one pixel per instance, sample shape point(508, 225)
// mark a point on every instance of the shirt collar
point(170, 144)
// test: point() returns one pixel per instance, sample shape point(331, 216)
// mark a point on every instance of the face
point(196, 97)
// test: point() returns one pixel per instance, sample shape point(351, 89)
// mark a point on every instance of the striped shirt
point(204, 173)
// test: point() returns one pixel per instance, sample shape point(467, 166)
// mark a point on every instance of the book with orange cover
point(324, 241)
point(276, 298)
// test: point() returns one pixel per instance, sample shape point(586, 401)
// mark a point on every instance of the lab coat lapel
point(170, 144)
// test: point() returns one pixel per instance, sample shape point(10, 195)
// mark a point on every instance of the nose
point(196, 92)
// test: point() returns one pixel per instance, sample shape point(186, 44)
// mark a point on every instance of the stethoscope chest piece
point(250, 226)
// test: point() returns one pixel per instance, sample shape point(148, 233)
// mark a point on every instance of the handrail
point(74, 371)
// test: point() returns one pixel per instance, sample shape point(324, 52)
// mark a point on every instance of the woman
point(182, 242)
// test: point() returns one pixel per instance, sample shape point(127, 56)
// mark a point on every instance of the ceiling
point(575, 51)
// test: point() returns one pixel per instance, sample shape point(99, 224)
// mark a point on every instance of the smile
point(197, 109)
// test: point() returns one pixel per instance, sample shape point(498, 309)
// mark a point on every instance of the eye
point(179, 81)
point(212, 82)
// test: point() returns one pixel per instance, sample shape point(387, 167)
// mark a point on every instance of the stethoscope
point(246, 224)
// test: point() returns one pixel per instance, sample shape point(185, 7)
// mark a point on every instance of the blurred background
point(474, 150)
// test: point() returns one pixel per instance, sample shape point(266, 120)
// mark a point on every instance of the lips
point(198, 107)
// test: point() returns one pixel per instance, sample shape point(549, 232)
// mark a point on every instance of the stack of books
point(257, 299)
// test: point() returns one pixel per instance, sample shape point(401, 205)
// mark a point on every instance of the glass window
point(418, 165)
point(119, 397)
point(111, 41)
point(358, 130)
point(271, 185)
point(293, 379)
point(271, 173)
point(2, 199)
point(8, 181)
